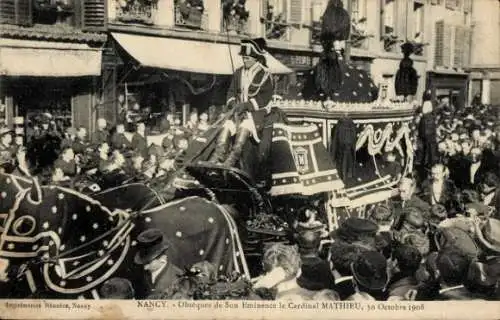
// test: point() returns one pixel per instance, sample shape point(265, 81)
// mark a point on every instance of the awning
point(188, 55)
point(48, 59)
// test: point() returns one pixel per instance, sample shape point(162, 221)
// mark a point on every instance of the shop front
point(449, 88)
point(49, 79)
point(164, 75)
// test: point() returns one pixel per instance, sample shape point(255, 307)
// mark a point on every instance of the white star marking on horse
point(201, 252)
point(95, 226)
point(178, 234)
point(54, 209)
point(89, 278)
point(211, 220)
point(10, 246)
point(87, 208)
point(45, 225)
point(74, 216)
point(60, 196)
point(82, 238)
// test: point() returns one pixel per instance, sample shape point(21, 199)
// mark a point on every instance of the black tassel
point(328, 75)
point(406, 82)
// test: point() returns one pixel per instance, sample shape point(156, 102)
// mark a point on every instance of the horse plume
point(335, 27)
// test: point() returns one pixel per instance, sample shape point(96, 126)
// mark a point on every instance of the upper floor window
point(85, 14)
point(453, 4)
point(190, 13)
point(135, 11)
point(235, 16)
point(281, 15)
point(417, 30)
point(389, 32)
point(359, 23)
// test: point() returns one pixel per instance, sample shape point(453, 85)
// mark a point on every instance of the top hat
point(370, 270)
point(489, 234)
point(150, 245)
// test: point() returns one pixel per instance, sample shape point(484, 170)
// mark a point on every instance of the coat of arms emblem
point(301, 159)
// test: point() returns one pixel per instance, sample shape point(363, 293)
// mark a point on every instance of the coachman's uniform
point(250, 93)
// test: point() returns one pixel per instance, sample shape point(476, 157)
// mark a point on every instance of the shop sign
point(294, 60)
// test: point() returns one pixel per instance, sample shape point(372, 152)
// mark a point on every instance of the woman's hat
point(370, 270)
point(456, 239)
point(489, 234)
point(150, 244)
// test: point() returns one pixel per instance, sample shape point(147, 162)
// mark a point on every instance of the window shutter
point(466, 46)
point(93, 15)
point(295, 11)
point(458, 52)
point(447, 45)
point(439, 42)
point(16, 12)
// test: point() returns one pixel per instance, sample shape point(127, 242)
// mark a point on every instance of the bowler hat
point(358, 226)
point(453, 266)
point(370, 270)
point(150, 244)
point(117, 288)
point(489, 234)
point(481, 275)
point(316, 275)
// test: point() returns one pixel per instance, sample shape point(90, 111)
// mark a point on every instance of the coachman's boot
point(235, 154)
point(221, 146)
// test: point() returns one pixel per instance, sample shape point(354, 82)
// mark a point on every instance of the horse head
point(63, 240)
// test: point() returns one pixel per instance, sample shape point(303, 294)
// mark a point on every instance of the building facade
point(50, 60)
point(485, 54)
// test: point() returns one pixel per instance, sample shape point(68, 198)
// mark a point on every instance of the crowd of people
point(63, 155)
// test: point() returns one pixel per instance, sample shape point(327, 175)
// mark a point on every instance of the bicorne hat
point(255, 48)
point(151, 245)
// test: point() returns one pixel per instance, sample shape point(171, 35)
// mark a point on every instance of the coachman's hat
point(151, 245)
point(255, 48)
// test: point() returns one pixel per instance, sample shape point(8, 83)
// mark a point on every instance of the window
point(389, 32)
point(16, 12)
point(190, 13)
point(276, 19)
point(443, 41)
point(235, 16)
point(453, 4)
point(358, 12)
point(418, 22)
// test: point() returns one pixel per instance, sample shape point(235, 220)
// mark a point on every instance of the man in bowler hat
point(152, 255)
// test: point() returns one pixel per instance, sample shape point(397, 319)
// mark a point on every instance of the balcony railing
point(276, 27)
point(135, 11)
point(190, 14)
point(359, 33)
point(390, 41)
point(236, 25)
